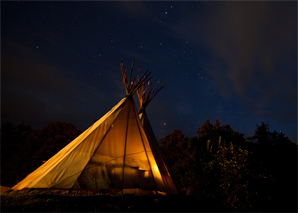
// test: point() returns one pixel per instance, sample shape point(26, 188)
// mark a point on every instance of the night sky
point(236, 61)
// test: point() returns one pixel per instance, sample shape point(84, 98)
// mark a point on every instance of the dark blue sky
point(236, 61)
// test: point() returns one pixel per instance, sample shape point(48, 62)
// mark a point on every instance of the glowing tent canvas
point(113, 155)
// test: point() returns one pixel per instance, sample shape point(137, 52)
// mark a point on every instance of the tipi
point(145, 95)
point(112, 155)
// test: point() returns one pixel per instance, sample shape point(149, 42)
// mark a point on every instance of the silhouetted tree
point(279, 156)
point(13, 138)
point(228, 171)
point(173, 147)
point(211, 132)
point(49, 140)
point(235, 179)
point(23, 149)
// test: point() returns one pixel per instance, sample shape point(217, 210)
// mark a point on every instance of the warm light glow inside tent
point(113, 153)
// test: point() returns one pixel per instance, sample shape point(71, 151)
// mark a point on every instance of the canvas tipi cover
point(112, 155)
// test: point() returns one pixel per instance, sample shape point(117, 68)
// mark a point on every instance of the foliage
point(279, 156)
point(178, 169)
point(13, 146)
point(241, 183)
point(212, 132)
point(24, 149)
point(227, 170)
point(51, 139)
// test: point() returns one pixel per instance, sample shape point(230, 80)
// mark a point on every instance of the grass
point(45, 201)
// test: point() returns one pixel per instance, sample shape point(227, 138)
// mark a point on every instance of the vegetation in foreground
point(254, 174)
point(221, 169)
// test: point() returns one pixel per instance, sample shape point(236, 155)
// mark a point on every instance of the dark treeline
point(23, 150)
point(219, 167)
point(225, 170)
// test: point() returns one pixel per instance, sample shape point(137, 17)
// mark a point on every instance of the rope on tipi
point(132, 86)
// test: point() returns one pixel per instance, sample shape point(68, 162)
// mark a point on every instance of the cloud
point(249, 50)
point(250, 45)
point(248, 38)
